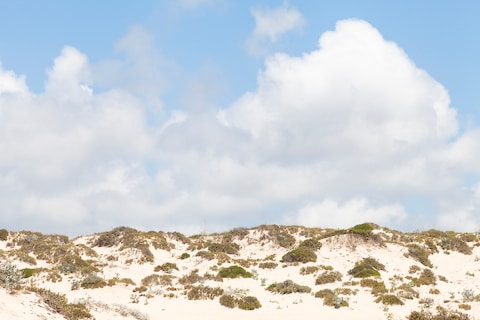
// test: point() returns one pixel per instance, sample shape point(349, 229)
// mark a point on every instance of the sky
point(206, 115)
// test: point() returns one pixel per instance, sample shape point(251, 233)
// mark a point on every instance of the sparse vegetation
point(3, 234)
point(93, 282)
point(59, 304)
point(268, 265)
point(301, 254)
point(389, 299)
point(368, 267)
point(10, 276)
point(167, 267)
point(420, 254)
point(288, 287)
point(234, 272)
point(328, 277)
point(203, 293)
point(228, 248)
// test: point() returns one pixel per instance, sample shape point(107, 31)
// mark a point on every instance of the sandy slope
point(341, 252)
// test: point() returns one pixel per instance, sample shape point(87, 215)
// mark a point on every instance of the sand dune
point(279, 272)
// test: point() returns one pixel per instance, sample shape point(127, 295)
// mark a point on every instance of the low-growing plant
point(248, 303)
point(377, 287)
point(60, 305)
point(427, 277)
point(367, 267)
point(124, 281)
point(234, 272)
point(203, 293)
point(10, 276)
point(414, 269)
point(268, 265)
point(442, 314)
point(420, 254)
point(389, 299)
point(167, 267)
point(3, 234)
point(309, 270)
point(312, 243)
point(301, 254)
point(228, 248)
point(227, 300)
point(191, 278)
point(28, 272)
point(288, 287)
point(205, 255)
point(92, 282)
point(328, 277)
point(184, 256)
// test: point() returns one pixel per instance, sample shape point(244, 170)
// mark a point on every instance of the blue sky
point(214, 114)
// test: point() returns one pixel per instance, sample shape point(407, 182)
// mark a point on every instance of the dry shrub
point(288, 287)
point(328, 277)
point(203, 293)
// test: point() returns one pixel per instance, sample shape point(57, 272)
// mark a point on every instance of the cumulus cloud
point(333, 214)
point(270, 25)
point(353, 131)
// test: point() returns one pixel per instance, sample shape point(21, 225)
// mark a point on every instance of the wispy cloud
point(270, 25)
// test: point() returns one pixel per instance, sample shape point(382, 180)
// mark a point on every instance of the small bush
point(184, 256)
point(60, 305)
point(414, 269)
point(389, 299)
point(368, 267)
point(28, 272)
point(331, 299)
point(191, 278)
point(427, 277)
point(93, 282)
point(125, 281)
point(420, 254)
point(442, 314)
point(10, 276)
point(378, 287)
point(288, 287)
point(308, 270)
point(248, 303)
point(205, 255)
point(301, 254)
point(203, 293)
point(167, 267)
point(234, 272)
point(268, 265)
point(312, 243)
point(228, 301)
point(3, 234)
point(228, 248)
point(328, 277)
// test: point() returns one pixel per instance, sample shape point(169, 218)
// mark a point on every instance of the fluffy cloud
point(350, 132)
point(270, 25)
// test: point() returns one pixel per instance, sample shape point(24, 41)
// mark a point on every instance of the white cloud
point(270, 25)
point(350, 132)
point(334, 214)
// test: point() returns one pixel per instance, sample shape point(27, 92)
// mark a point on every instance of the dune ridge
point(266, 272)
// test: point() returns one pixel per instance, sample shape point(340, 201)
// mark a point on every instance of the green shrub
point(184, 256)
point(3, 234)
point(368, 267)
point(363, 229)
point(288, 287)
point(234, 272)
point(248, 303)
point(28, 272)
point(389, 299)
point(301, 254)
point(328, 277)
